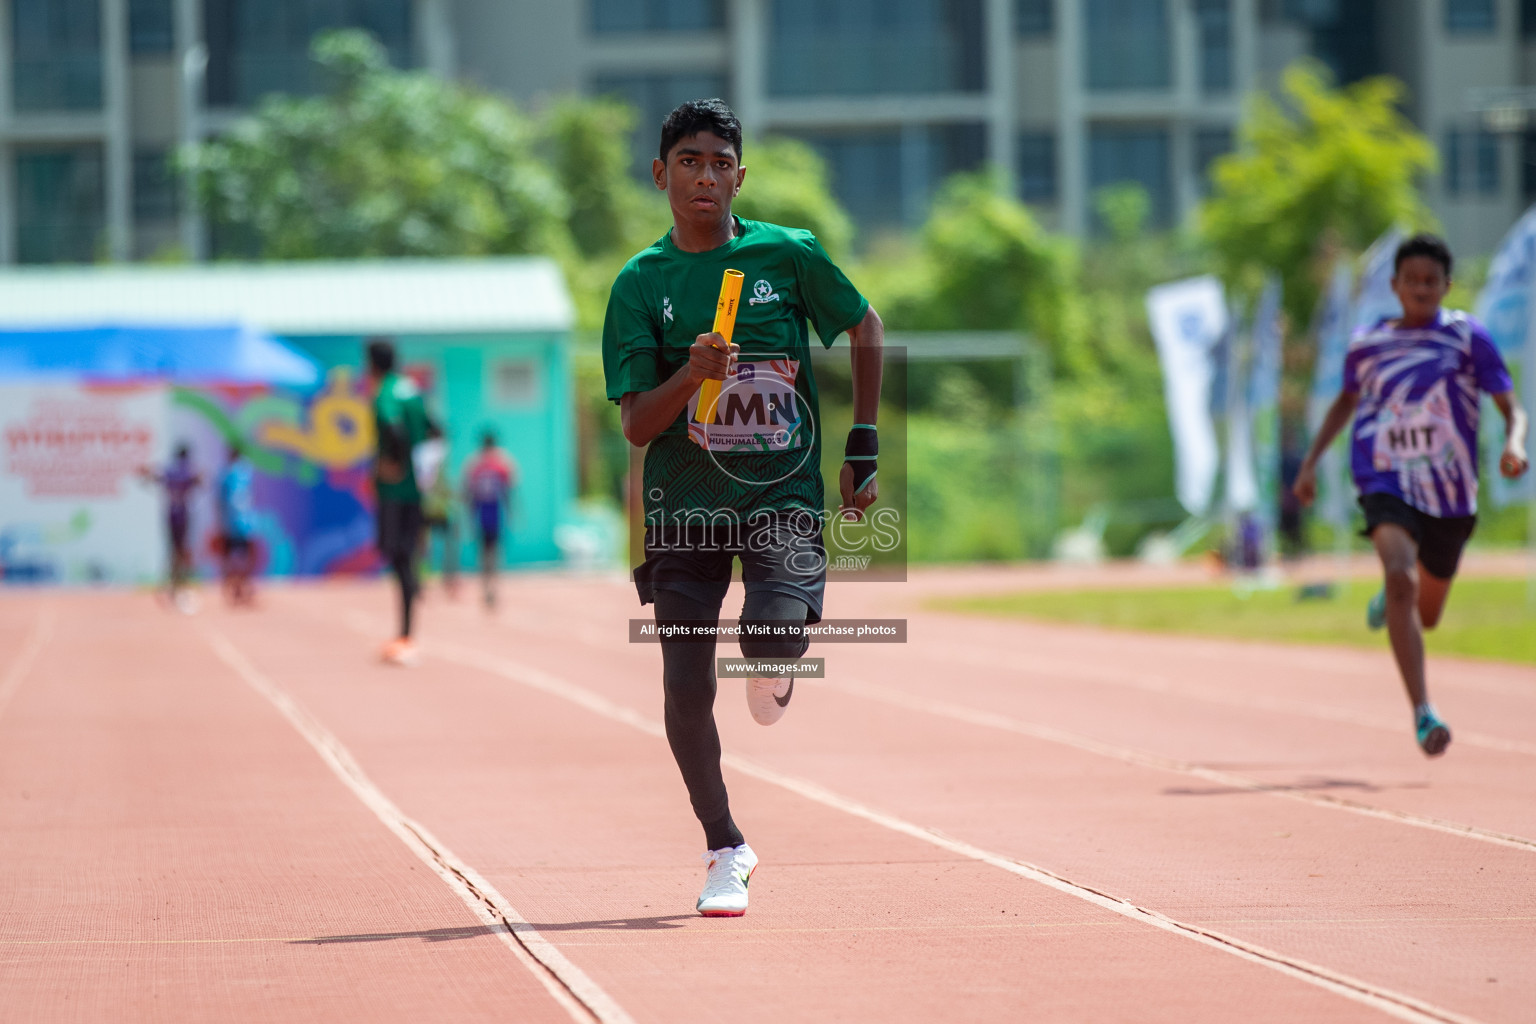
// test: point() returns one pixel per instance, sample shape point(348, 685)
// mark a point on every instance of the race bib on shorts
point(1414, 434)
point(759, 411)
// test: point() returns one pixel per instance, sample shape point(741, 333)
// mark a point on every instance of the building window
point(657, 15)
point(1528, 164)
point(151, 27)
point(1528, 18)
point(1471, 163)
point(1132, 155)
point(1214, 18)
point(1034, 17)
point(1128, 44)
point(154, 186)
point(654, 97)
point(864, 47)
point(1344, 35)
point(1469, 16)
point(60, 210)
point(886, 178)
point(256, 47)
point(56, 54)
point(1037, 167)
point(1210, 145)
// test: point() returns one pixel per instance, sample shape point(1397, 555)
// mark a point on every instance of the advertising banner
point(74, 505)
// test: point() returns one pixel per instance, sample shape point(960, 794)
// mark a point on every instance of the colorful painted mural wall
point(516, 385)
point(311, 451)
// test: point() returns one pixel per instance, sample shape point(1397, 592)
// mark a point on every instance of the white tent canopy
point(448, 296)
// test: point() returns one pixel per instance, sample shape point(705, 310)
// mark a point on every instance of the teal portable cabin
point(488, 339)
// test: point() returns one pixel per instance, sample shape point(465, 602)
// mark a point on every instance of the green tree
point(587, 142)
point(787, 184)
point(389, 163)
point(1324, 168)
point(988, 265)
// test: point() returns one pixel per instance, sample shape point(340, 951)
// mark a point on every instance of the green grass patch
point(1485, 618)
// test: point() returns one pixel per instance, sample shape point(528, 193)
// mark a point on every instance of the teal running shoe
point(1376, 611)
point(1433, 734)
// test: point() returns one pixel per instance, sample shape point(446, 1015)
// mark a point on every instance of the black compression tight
point(688, 678)
point(404, 568)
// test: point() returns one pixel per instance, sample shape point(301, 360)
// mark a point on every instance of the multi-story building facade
point(1062, 96)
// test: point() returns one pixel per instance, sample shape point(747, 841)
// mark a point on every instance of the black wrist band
point(863, 442)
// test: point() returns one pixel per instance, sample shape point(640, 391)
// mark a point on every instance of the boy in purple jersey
point(1412, 386)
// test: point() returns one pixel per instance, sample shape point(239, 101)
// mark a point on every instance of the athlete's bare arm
point(867, 352)
point(1338, 416)
point(645, 414)
point(1514, 460)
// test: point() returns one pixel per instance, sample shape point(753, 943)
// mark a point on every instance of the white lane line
point(1152, 682)
point(42, 629)
point(1048, 734)
point(992, 720)
point(1395, 1004)
point(581, 997)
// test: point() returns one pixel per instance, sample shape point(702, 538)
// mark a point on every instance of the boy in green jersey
point(400, 424)
point(744, 483)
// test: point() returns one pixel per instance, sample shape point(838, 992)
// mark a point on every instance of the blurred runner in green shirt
point(400, 424)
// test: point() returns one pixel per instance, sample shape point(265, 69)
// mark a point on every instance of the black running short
point(785, 556)
point(237, 544)
point(399, 525)
point(1440, 539)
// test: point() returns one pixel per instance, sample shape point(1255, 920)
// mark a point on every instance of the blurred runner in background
point(179, 480)
point(400, 424)
point(437, 505)
point(488, 490)
point(237, 527)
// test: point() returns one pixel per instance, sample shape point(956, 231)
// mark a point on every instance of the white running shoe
point(725, 890)
point(768, 697)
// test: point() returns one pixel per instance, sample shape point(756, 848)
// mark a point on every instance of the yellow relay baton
point(725, 322)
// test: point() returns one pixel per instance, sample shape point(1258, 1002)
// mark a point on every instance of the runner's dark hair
point(381, 355)
point(488, 438)
point(696, 116)
point(1423, 244)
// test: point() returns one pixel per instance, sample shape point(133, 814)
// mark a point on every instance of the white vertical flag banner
point(1264, 405)
point(1242, 483)
point(1375, 300)
point(1188, 319)
point(1507, 307)
point(1333, 328)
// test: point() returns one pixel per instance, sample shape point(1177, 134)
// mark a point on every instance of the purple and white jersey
point(1416, 424)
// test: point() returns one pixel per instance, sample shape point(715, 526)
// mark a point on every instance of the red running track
point(244, 816)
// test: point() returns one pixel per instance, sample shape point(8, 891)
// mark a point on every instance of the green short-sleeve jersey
point(762, 449)
point(400, 424)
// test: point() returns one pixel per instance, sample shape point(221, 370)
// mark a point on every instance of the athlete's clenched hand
point(1305, 487)
point(854, 504)
point(710, 358)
